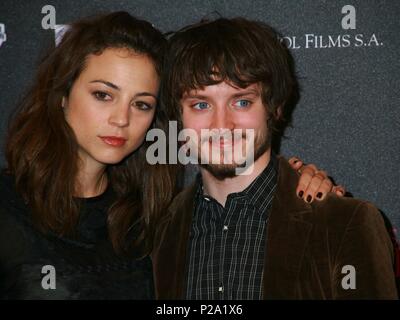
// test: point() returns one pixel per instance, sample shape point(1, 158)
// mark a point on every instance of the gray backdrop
point(347, 120)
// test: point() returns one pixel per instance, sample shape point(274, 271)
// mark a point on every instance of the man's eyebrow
point(107, 83)
point(247, 92)
point(239, 94)
point(194, 96)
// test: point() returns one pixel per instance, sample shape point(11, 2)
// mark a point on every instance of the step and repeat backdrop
point(347, 57)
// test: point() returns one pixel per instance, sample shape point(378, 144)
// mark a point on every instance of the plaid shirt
point(227, 244)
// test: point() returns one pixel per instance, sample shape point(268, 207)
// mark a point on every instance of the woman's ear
point(64, 102)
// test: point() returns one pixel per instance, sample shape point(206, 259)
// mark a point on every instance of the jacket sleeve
point(364, 264)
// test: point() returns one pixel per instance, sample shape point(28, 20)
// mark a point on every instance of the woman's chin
point(111, 159)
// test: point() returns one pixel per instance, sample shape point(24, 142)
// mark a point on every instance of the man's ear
point(279, 113)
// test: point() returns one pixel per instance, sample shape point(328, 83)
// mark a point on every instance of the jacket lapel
point(287, 236)
point(169, 259)
point(288, 232)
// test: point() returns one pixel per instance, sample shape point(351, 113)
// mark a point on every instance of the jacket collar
point(288, 232)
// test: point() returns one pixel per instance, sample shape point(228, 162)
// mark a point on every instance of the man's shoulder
point(340, 212)
point(332, 212)
point(176, 221)
point(184, 198)
point(180, 207)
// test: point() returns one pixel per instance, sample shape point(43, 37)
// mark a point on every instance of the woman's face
point(111, 105)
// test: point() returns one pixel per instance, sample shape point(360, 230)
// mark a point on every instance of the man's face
point(226, 108)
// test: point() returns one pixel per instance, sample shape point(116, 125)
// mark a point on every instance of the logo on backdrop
point(49, 22)
point(3, 36)
point(59, 32)
point(347, 20)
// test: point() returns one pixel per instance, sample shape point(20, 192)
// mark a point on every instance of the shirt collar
point(259, 193)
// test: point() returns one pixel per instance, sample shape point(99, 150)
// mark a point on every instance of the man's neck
point(220, 189)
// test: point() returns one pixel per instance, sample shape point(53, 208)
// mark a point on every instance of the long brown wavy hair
point(42, 151)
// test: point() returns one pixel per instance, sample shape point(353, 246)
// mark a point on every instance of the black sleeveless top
point(38, 266)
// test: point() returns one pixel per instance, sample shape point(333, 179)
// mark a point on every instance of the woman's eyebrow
point(114, 86)
point(145, 94)
point(107, 83)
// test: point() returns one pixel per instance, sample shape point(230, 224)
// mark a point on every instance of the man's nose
point(222, 119)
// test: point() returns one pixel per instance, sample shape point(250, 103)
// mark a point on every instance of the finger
point(292, 160)
point(310, 168)
point(304, 181)
point(325, 187)
point(295, 163)
point(313, 167)
point(316, 187)
point(339, 190)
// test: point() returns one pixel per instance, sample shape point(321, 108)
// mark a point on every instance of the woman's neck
point(91, 181)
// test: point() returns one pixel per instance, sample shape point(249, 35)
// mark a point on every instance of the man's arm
point(364, 264)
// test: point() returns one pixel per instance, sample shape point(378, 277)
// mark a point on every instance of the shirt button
point(207, 199)
point(221, 289)
point(225, 228)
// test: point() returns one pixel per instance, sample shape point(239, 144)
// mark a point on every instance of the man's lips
point(221, 143)
point(114, 141)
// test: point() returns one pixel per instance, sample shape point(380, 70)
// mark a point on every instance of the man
point(249, 236)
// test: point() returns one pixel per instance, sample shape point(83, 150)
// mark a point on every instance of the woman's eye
point(200, 106)
point(242, 103)
point(143, 105)
point(102, 96)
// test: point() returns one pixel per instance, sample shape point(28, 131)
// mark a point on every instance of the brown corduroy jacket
point(308, 247)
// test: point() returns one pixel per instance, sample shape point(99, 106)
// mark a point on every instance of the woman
point(75, 193)
point(79, 201)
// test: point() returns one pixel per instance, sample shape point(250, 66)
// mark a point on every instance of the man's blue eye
point(200, 106)
point(242, 103)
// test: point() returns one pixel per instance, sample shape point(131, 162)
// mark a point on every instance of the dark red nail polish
point(309, 198)
point(319, 195)
point(301, 194)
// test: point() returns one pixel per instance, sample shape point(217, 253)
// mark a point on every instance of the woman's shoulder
point(10, 200)
point(12, 241)
point(7, 183)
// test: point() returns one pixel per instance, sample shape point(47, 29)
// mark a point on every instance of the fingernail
point(319, 195)
point(309, 198)
point(301, 194)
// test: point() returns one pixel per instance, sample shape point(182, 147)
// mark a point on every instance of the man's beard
point(262, 143)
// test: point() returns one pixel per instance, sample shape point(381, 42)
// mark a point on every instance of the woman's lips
point(114, 141)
